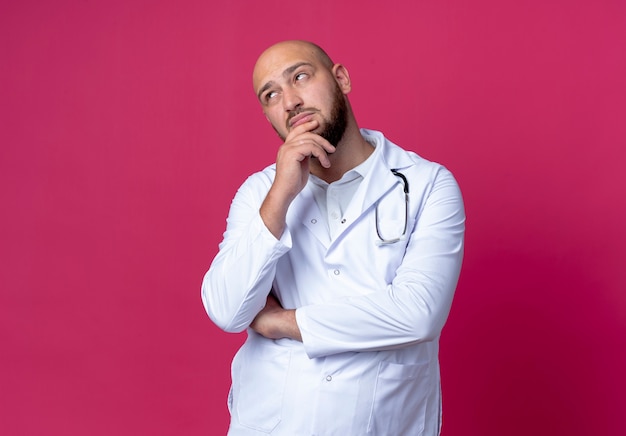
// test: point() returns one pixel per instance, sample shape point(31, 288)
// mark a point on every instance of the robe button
point(329, 377)
point(336, 272)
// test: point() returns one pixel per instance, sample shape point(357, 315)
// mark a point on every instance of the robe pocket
point(261, 386)
point(400, 393)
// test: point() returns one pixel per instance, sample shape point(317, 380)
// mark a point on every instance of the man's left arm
point(412, 309)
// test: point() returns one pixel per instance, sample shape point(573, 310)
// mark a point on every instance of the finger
point(323, 159)
point(315, 140)
point(301, 129)
point(303, 148)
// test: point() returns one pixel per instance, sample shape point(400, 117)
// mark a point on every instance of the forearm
point(274, 322)
point(273, 212)
point(240, 277)
point(236, 285)
point(393, 318)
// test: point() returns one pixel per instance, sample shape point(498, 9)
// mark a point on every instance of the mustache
point(298, 111)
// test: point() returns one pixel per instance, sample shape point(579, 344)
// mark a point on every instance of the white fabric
point(370, 314)
point(333, 199)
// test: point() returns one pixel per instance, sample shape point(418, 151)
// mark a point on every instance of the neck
point(351, 151)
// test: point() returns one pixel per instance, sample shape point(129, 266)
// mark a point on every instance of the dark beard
point(335, 128)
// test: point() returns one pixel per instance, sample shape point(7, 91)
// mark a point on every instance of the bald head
point(276, 54)
point(299, 88)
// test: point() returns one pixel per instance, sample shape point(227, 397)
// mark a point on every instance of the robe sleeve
point(235, 287)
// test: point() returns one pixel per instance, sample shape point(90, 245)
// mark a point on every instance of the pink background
point(126, 127)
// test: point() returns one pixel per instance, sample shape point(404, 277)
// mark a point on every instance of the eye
point(269, 96)
point(300, 76)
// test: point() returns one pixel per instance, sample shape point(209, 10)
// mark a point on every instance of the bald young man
point(340, 261)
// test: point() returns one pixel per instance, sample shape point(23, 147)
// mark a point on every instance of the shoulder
point(424, 176)
point(255, 187)
point(260, 179)
point(400, 158)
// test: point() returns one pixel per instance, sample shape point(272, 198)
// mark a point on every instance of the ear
point(340, 73)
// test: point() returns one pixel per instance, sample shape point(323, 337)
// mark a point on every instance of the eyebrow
point(288, 71)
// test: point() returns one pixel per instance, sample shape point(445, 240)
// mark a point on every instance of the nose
point(291, 99)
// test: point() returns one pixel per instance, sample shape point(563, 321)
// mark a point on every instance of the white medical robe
point(370, 314)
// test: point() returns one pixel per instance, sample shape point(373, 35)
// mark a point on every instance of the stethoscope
point(382, 240)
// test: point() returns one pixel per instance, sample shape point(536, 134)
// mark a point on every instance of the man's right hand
point(292, 172)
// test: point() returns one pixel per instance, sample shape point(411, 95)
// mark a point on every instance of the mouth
point(299, 118)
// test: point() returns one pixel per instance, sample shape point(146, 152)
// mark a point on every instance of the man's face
point(294, 86)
